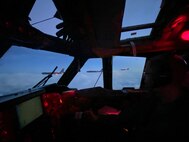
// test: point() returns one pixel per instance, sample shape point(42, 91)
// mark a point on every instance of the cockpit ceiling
point(93, 28)
point(91, 24)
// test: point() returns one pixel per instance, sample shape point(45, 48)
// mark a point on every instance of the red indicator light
point(69, 93)
point(60, 100)
point(46, 104)
point(185, 35)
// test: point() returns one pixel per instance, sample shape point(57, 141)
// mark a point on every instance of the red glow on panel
point(60, 101)
point(4, 133)
point(69, 93)
point(185, 35)
point(179, 20)
point(4, 136)
point(45, 104)
point(107, 110)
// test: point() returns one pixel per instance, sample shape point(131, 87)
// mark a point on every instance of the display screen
point(28, 111)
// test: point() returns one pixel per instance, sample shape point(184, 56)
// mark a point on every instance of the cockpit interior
point(111, 71)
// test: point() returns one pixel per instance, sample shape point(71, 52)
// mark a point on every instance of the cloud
point(126, 79)
point(11, 83)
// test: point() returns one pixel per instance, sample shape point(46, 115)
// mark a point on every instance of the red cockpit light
point(178, 21)
point(185, 35)
point(45, 104)
point(69, 93)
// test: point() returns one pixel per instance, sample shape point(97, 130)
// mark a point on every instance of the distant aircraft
point(61, 72)
point(93, 71)
point(124, 69)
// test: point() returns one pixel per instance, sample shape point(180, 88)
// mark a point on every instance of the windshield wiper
point(45, 79)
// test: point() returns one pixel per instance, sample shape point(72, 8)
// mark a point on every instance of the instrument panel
point(22, 117)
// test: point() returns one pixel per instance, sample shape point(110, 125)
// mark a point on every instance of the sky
point(22, 67)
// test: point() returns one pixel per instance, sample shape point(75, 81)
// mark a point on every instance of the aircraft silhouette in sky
point(55, 73)
point(93, 71)
point(124, 69)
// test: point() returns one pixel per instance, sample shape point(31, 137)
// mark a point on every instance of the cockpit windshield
point(23, 68)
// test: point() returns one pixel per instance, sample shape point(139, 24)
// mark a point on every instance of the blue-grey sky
point(21, 67)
